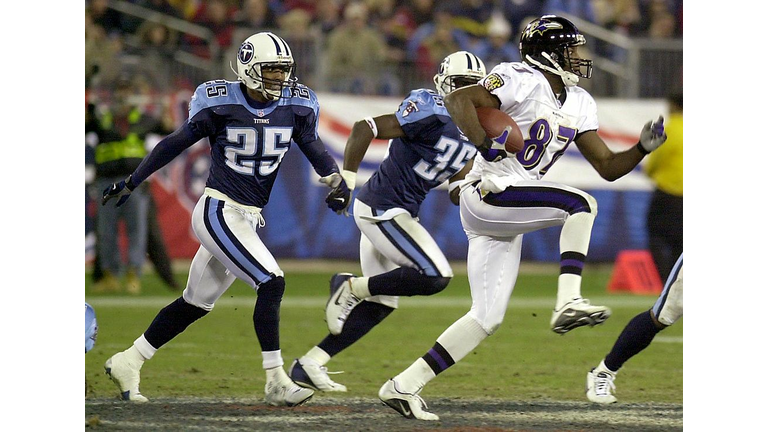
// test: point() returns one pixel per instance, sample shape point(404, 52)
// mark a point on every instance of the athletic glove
point(340, 196)
point(652, 136)
point(493, 150)
point(121, 191)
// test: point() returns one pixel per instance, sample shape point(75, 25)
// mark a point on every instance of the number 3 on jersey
point(242, 156)
point(448, 149)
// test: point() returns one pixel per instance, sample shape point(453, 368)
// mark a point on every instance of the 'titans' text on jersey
point(429, 154)
point(249, 139)
point(549, 125)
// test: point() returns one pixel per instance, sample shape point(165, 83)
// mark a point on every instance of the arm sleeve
point(165, 151)
point(319, 157)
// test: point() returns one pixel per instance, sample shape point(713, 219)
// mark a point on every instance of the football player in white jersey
point(503, 198)
point(398, 256)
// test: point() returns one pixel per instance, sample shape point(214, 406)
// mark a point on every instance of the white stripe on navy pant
point(227, 240)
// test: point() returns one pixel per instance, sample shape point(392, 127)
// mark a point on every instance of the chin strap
point(570, 79)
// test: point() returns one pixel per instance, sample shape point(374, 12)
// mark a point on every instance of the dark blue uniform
point(248, 139)
point(432, 150)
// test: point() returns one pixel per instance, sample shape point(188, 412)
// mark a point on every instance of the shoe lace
point(604, 384)
point(350, 303)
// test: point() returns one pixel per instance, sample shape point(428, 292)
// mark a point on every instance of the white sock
point(574, 237)
point(603, 368)
point(360, 287)
point(271, 359)
point(318, 355)
point(141, 350)
point(568, 288)
point(416, 376)
point(462, 337)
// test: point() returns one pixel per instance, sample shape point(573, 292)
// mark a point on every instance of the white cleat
point(341, 302)
point(409, 405)
point(600, 387)
point(286, 393)
point(577, 313)
point(125, 374)
point(308, 373)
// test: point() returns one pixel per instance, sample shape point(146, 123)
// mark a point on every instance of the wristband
point(349, 178)
point(453, 185)
point(372, 124)
point(642, 149)
point(129, 183)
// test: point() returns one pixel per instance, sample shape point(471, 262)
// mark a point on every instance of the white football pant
point(229, 248)
point(396, 239)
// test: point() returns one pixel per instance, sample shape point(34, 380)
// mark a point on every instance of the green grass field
point(219, 355)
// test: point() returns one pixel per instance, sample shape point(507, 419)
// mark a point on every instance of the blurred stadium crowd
point(373, 47)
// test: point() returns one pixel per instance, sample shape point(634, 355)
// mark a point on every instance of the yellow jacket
point(665, 165)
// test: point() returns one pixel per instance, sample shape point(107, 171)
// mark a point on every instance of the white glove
point(652, 135)
point(334, 180)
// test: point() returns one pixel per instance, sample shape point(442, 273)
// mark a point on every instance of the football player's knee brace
point(266, 313)
point(269, 297)
point(434, 284)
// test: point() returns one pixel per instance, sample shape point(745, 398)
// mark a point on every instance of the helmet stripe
point(478, 62)
point(287, 49)
point(277, 45)
point(469, 61)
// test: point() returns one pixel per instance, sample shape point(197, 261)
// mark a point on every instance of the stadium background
point(634, 70)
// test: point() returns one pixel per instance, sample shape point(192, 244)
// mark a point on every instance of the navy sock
point(361, 320)
point(438, 358)
point(266, 313)
point(406, 281)
point(171, 321)
point(635, 337)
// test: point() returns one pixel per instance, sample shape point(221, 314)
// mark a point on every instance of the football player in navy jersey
point(398, 256)
point(250, 124)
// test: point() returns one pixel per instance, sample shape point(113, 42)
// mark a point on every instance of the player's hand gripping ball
point(497, 123)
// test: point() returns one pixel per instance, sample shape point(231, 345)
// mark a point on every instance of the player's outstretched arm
point(165, 151)
point(614, 165)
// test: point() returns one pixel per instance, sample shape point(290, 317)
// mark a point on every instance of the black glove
point(338, 198)
point(121, 190)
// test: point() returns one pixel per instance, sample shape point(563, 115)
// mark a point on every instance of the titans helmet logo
point(540, 27)
point(245, 54)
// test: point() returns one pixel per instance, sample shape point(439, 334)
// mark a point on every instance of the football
point(494, 121)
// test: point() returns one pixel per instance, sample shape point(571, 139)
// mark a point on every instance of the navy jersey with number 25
point(432, 150)
point(248, 140)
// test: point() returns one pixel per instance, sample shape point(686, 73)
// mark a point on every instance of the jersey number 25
point(242, 156)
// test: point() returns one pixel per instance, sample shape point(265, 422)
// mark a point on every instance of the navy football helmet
point(549, 43)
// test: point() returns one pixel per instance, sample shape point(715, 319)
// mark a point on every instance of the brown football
point(494, 121)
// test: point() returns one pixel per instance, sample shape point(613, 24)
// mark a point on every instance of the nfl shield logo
point(260, 113)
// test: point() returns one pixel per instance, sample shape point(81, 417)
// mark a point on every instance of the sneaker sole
point(400, 406)
point(290, 405)
point(590, 320)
